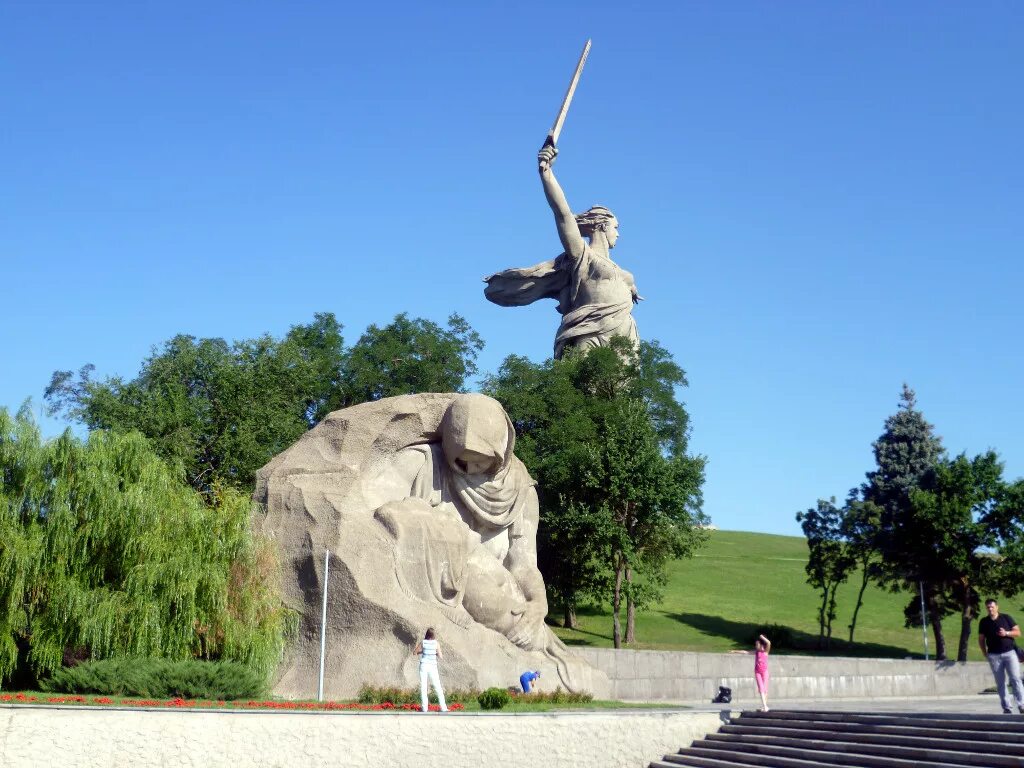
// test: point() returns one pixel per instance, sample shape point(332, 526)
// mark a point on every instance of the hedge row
point(158, 678)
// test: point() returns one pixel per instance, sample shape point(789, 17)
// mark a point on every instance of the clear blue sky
point(819, 201)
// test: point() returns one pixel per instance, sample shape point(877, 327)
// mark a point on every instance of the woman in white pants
point(429, 652)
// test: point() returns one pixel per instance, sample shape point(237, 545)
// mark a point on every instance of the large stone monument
point(431, 521)
point(595, 295)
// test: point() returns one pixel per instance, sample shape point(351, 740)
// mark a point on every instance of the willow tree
point(105, 552)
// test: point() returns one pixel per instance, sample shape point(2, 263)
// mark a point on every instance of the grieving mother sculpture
point(595, 295)
point(431, 521)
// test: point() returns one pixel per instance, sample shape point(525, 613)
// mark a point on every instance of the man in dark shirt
point(995, 636)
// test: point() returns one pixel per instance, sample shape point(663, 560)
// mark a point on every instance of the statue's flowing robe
point(560, 279)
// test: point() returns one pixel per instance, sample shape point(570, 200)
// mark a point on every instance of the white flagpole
point(323, 627)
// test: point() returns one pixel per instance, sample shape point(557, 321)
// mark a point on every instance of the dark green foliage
point(964, 516)
point(218, 410)
point(606, 439)
point(221, 411)
point(829, 562)
point(372, 694)
point(105, 552)
point(494, 698)
point(409, 356)
point(860, 521)
point(781, 636)
point(159, 678)
point(906, 454)
point(558, 696)
point(941, 530)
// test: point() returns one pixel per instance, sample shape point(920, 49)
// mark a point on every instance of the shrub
point(558, 696)
point(371, 694)
point(494, 698)
point(159, 678)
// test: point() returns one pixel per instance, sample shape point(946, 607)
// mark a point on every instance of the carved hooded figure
point(473, 475)
point(429, 515)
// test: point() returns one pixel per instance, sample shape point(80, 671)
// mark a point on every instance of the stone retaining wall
point(682, 676)
point(121, 738)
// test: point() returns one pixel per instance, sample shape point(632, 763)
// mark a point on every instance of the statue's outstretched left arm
point(637, 298)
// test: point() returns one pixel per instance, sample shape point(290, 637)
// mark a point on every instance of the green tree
point(218, 410)
point(829, 562)
point(221, 411)
point(556, 426)
point(654, 501)
point(859, 524)
point(962, 518)
point(906, 455)
point(409, 356)
point(606, 439)
point(106, 552)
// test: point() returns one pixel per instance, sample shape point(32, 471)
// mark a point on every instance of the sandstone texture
point(430, 521)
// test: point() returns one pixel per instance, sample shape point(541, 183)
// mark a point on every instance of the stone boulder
point(430, 521)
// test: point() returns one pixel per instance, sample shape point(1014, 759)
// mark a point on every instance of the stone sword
point(556, 129)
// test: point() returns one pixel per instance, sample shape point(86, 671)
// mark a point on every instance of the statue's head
point(599, 219)
point(476, 435)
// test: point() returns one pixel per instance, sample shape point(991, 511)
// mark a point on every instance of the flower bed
point(334, 706)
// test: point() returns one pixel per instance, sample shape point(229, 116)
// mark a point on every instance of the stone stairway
point(803, 739)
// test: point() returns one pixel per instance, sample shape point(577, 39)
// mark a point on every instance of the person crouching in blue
point(527, 678)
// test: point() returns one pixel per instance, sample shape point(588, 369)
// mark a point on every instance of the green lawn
point(743, 581)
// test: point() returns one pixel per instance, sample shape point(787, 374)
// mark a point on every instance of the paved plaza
point(978, 704)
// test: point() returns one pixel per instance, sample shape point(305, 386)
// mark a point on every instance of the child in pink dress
point(762, 646)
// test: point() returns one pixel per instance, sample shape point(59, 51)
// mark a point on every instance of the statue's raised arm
point(568, 229)
point(595, 295)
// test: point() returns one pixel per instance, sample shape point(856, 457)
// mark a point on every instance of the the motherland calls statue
point(595, 295)
point(430, 520)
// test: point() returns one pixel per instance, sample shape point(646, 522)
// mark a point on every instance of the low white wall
point(112, 738)
point(695, 677)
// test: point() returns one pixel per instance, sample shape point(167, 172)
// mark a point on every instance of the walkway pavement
point(980, 704)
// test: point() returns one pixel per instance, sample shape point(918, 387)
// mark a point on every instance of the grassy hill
point(741, 582)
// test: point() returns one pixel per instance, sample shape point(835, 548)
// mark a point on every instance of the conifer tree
point(906, 455)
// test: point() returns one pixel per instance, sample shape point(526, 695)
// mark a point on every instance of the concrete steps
point(801, 739)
